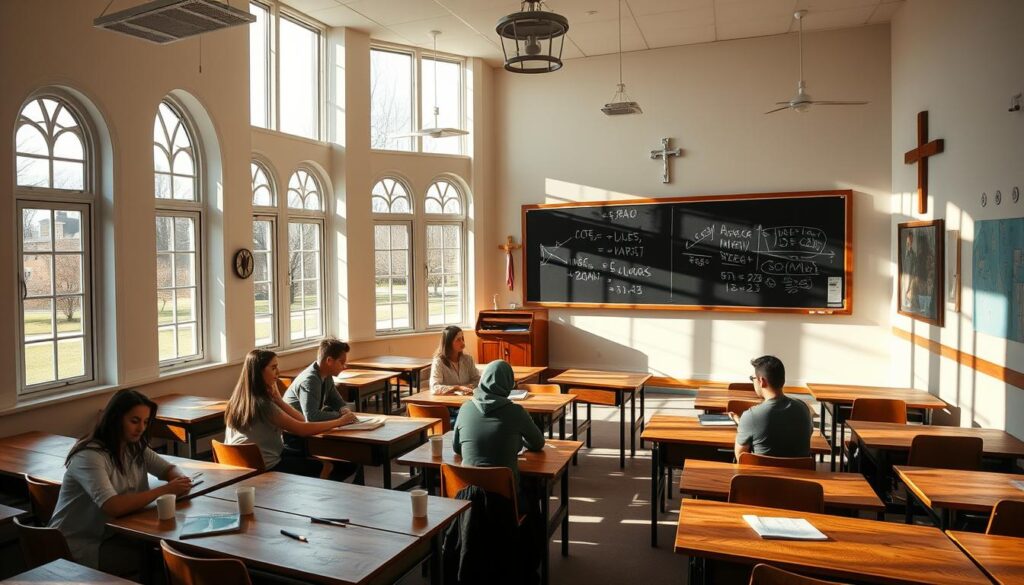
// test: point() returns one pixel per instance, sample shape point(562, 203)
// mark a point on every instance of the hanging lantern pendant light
point(532, 39)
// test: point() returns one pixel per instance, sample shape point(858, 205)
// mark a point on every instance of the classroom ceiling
point(467, 26)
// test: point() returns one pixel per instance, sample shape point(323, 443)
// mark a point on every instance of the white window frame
point(275, 335)
point(272, 214)
point(271, 59)
point(407, 220)
point(290, 216)
point(446, 219)
point(299, 219)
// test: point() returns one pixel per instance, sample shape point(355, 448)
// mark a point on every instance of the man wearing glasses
point(780, 426)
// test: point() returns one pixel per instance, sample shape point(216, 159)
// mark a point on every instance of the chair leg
point(589, 425)
point(326, 469)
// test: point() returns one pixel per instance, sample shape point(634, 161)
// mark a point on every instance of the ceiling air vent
point(166, 21)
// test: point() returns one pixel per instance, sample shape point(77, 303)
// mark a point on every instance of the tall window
point(259, 65)
point(445, 254)
point(178, 229)
point(305, 260)
point(54, 192)
point(392, 252)
point(300, 78)
point(391, 100)
point(264, 233)
point(449, 103)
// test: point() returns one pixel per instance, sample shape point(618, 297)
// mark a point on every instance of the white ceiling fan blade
point(785, 107)
point(839, 103)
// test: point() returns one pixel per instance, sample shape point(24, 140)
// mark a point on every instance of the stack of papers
point(783, 528)
point(716, 420)
point(365, 423)
point(518, 394)
point(1017, 484)
point(209, 525)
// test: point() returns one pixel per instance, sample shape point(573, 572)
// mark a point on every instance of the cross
point(663, 154)
point(920, 156)
point(510, 267)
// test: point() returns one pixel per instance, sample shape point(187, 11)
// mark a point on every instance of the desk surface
point(1002, 557)
point(857, 549)
point(897, 437)
point(40, 442)
point(64, 571)
point(391, 362)
point(365, 506)
point(601, 379)
point(357, 378)
point(184, 409)
point(548, 462)
point(711, 479)
point(665, 428)
point(353, 554)
point(395, 428)
point(846, 394)
point(535, 403)
point(954, 489)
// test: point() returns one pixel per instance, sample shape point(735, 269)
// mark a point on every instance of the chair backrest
point(741, 386)
point(240, 455)
point(777, 492)
point(185, 570)
point(887, 410)
point(769, 461)
point(42, 495)
point(541, 388)
point(41, 545)
point(439, 411)
point(498, 480)
point(946, 452)
point(1007, 519)
point(740, 406)
point(283, 384)
point(768, 575)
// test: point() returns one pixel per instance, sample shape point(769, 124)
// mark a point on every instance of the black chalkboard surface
point(771, 252)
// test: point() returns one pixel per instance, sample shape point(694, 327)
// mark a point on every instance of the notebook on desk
point(715, 420)
point(210, 524)
point(364, 423)
point(772, 528)
point(518, 394)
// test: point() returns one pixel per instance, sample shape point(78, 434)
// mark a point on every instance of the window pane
point(297, 329)
point(264, 330)
point(70, 358)
point(33, 172)
point(68, 145)
point(184, 269)
point(263, 279)
point(68, 175)
point(30, 140)
point(178, 310)
point(167, 347)
point(449, 104)
point(69, 315)
point(165, 307)
point(38, 317)
point(173, 142)
point(391, 99)
point(68, 274)
point(37, 270)
point(35, 229)
point(68, 231)
point(187, 341)
point(313, 324)
point(262, 190)
point(184, 234)
point(39, 366)
point(259, 60)
point(185, 302)
point(46, 122)
point(300, 78)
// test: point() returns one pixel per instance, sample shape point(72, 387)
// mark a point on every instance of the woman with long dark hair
point(107, 477)
point(453, 370)
point(256, 413)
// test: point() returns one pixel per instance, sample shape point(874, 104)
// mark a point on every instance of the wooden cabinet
point(519, 337)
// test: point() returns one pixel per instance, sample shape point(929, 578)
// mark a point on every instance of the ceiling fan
point(801, 102)
point(435, 131)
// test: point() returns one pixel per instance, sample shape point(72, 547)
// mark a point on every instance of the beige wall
point(961, 61)
point(556, 145)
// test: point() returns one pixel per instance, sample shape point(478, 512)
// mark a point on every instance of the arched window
point(179, 217)
point(55, 196)
point(305, 257)
point(446, 253)
point(263, 193)
point(392, 251)
point(264, 243)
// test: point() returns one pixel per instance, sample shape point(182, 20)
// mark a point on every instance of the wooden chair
point(738, 406)
point(887, 410)
point(769, 461)
point(42, 495)
point(590, 396)
point(438, 411)
point(185, 570)
point(1007, 519)
point(545, 389)
point(777, 492)
point(497, 480)
point(768, 575)
point(41, 545)
point(946, 452)
point(241, 455)
point(749, 386)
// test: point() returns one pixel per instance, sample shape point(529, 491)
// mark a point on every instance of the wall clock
point(243, 263)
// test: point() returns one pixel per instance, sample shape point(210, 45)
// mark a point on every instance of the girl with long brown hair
point(453, 371)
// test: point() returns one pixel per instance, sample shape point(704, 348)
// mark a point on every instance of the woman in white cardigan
point(453, 370)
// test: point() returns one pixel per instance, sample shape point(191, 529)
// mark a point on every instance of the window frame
point(292, 215)
point(431, 218)
point(272, 214)
point(408, 220)
point(200, 304)
point(275, 336)
point(299, 219)
point(271, 69)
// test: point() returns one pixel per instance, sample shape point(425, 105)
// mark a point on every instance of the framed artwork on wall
point(953, 270)
point(920, 266)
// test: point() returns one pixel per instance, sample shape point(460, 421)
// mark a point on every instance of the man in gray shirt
point(780, 426)
point(313, 392)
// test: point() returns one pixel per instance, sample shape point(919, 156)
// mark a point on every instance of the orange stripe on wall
point(1001, 373)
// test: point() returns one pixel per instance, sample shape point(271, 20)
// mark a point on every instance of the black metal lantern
point(532, 39)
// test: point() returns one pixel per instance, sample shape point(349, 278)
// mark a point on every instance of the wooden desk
point(356, 386)
point(680, 438)
point(945, 491)
point(711, 479)
point(410, 368)
point(547, 406)
point(377, 447)
point(1000, 557)
point(40, 442)
point(548, 466)
point(333, 555)
point(8, 514)
point(186, 419)
point(716, 399)
point(864, 551)
point(64, 571)
point(624, 386)
point(838, 399)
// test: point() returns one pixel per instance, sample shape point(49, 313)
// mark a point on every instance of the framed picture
point(920, 266)
point(953, 270)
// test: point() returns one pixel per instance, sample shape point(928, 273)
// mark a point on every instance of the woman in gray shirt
point(453, 371)
point(107, 477)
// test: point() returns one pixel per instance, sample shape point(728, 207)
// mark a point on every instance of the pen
point(196, 475)
point(195, 483)
point(342, 522)
point(297, 537)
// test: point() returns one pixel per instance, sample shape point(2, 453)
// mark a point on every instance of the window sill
point(279, 134)
point(397, 335)
point(415, 153)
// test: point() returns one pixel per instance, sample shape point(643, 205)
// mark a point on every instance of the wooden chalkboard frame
point(847, 309)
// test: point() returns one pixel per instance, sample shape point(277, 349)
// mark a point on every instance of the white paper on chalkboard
point(835, 289)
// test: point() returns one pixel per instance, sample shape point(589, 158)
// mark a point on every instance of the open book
point(518, 394)
point(209, 524)
point(783, 528)
point(364, 423)
point(715, 420)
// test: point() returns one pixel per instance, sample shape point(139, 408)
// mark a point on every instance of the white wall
point(555, 145)
point(961, 61)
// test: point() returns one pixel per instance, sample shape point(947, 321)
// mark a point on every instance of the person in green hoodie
point(491, 429)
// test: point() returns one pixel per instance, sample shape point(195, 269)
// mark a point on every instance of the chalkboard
point(770, 252)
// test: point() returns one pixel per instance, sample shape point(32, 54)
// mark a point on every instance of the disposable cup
point(246, 496)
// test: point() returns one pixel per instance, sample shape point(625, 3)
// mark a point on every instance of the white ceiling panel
point(824, 5)
point(601, 38)
point(308, 6)
point(484, 21)
point(885, 12)
point(389, 12)
point(662, 34)
point(731, 11)
point(648, 7)
point(474, 46)
point(419, 31)
point(752, 28)
point(578, 11)
point(343, 16)
point(847, 18)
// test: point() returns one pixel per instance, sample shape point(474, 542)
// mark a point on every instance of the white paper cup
point(165, 507)
point(246, 496)
point(419, 503)
point(436, 446)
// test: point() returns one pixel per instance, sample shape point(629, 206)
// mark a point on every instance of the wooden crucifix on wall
point(510, 267)
point(920, 156)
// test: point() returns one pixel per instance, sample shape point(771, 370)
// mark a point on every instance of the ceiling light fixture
point(621, 102)
point(524, 35)
point(435, 131)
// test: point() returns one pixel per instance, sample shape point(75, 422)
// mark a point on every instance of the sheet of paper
point(783, 528)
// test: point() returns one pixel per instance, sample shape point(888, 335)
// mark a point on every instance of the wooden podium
point(518, 336)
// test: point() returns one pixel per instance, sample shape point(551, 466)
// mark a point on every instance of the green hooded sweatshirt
point(491, 429)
